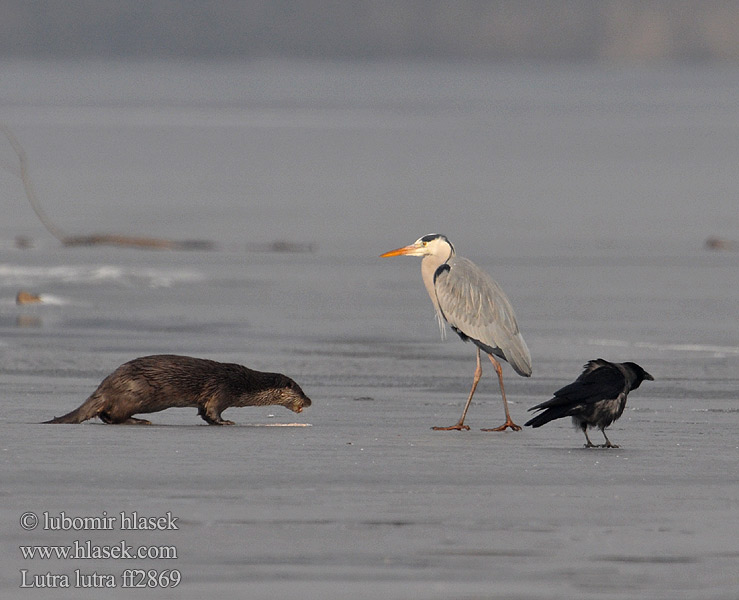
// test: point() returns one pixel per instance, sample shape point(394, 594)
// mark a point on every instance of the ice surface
point(577, 190)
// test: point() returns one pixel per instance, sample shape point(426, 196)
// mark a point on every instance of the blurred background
point(604, 30)
point(522, 122)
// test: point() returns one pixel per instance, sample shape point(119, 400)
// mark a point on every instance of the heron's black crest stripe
point(430, 237)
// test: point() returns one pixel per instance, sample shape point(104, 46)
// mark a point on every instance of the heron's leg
point(508, 421)
point(460, 425)
point(608, 443)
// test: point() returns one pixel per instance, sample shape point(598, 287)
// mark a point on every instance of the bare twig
point(96, 239)
point(27, 185)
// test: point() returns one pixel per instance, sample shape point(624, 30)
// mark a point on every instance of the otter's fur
point(152, 383)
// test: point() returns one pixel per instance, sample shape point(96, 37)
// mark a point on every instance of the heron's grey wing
point(475, 305)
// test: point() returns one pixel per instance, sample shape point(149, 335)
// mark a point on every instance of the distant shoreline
point(607, 31)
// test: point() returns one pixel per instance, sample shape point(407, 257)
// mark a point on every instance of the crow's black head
point(639, 374)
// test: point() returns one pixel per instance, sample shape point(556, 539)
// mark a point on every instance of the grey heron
point(475, 307)
point(595, 399)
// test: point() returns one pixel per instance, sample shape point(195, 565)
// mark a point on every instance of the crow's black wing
point(603, 381)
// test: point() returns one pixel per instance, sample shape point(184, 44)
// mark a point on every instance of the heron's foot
point(590, 445)
point(457, 427)
point(609, 445)
point(508, 424)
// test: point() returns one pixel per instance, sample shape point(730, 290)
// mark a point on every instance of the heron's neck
point(429, 264)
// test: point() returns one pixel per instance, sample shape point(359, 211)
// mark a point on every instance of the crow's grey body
point(595, 399)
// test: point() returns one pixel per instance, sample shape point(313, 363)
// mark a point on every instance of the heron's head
point(432, 244)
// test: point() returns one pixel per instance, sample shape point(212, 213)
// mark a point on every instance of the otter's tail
point(92, 407)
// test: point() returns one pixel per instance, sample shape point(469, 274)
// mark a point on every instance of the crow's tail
point(548, 415)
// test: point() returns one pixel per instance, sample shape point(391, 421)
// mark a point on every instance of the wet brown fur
point(153, 383)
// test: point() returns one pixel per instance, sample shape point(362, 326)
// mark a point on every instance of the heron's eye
point(425, 243)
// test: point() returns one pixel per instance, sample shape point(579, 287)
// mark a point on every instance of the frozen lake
point(588, 194)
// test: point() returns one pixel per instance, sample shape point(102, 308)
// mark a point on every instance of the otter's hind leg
point(212, 416)
point(106, 418)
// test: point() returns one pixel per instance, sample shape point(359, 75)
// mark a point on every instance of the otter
point(152, 383)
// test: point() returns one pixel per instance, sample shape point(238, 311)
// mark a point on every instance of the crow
point(595, 399)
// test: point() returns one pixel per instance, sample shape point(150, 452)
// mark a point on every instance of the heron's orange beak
point(412, 249)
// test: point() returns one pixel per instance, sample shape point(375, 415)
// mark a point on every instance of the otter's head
point(290, 395)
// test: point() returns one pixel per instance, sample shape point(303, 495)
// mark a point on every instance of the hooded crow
point(595, 399)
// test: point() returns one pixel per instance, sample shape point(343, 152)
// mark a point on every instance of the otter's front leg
point(135, 421)
point(212, 416)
